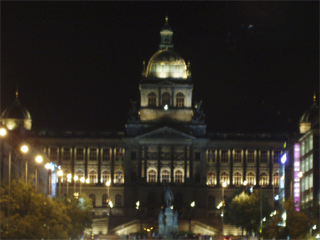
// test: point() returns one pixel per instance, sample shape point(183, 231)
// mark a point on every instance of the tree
point(33, 215)
point(297, 223)
point(247, 210)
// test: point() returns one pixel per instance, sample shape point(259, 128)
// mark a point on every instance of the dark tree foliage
point(34, 215)
point(247, 210)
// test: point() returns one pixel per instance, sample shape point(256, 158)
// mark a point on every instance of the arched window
point(152, 99)
point(165, 176)
point(237, 178)
point(180, 100)
point(251, 178)
point(275, 179)
point(263, 179)
point(152, 176)
point(165, 98)
point(105, 176)
point(93, 176)
point(224, 177)
point(118, 202)
point(178, 176)
point(211, 201)
point(79, 173)
point(211, 179)
point(93, 199)
point(104, 200)
point(118, 177)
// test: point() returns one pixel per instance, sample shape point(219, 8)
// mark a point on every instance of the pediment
point(166, 133)
point(166, 82)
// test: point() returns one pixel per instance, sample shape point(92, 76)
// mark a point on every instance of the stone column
point(99, 165)
point(159, 164)
point(185, 162)
point(172, 163)
point(140, 163)
point(145, 164)
point(112, 164)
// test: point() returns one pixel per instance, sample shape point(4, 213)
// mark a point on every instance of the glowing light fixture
point(284, 158)
point(3, 132)
point(39, 159)
point(24, 148)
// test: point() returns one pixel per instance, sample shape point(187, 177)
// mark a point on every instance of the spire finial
point(167, 18)
point(17, 92)
point(314, 98)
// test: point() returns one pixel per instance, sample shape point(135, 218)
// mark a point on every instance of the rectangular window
point(211, 155)
point(307, 164)
point(311, 142)
point(79, 154)
point(250, 156)
point(92, 154)
point(106, 154)
point(224, 156)
point(197, 156)
point(53, 154)
point(133, 155)
point(133, 177)
point(119, 154)
point(311, 162)
point(66, 154)
point(276, 156)
point(237, 156)
point(302, 166)
point(264, 157)
point(302, 148)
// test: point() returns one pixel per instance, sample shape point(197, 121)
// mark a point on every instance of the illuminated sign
point(296, 177)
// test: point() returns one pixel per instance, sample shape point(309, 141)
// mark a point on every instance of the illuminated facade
point(165, 143)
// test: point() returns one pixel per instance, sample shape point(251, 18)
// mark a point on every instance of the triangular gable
point(165, 133)
point(166, 82)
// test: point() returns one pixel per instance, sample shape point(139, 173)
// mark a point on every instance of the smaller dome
point(310, 114)
point(167, 64)
point(16, 111)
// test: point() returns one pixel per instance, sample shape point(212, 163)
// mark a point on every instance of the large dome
point(167, 64)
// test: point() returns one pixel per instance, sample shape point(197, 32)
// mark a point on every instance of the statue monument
point(170, 224)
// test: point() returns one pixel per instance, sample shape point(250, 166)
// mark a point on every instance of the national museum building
point(164, 143)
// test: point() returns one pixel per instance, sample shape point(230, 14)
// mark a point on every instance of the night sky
point(255, 65)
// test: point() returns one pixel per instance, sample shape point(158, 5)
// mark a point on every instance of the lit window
point(263, 180)
point(65, 174)
point(80, 174)
point(119, 154)
point(79, 154)
point(251, 178)
point(106, 154)
point(165, 176)
point(105, 176)
point(53, 154)
point(250, 156)
point(211, 179)
point(92, 154)
point(152, 176)
point(152, 99)
point(311, 142)
point(66, 154)
point(211, 155)
point(237, 156)
point(224, 177)
point(264, 157)
point(224, 156)
point(166, 99)
point(93, 176)
point(237, 178)
point(178, 176)
point(276, 156)
point(118, 177)
point(180, 100)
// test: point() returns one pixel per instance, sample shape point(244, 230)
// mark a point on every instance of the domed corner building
point(165, 143)
point(306, 155)
point(16, 116)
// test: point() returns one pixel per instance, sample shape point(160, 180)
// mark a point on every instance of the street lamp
point(39, 159)
point(245, 183)
point(74, 186)
point(108, 185)
point(224, 184)
point(82, 180)
point(24, 149)
point(69, 176)
point(192, 205)
point(60, 174)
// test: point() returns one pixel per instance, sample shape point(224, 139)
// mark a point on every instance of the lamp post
point(82, 180)
point(69, 176)
point(25, 149)
point(75, 179)
point(245, 183)
point(192, 205)
point(224, 184)
point(60, 174)
point(39, 159)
